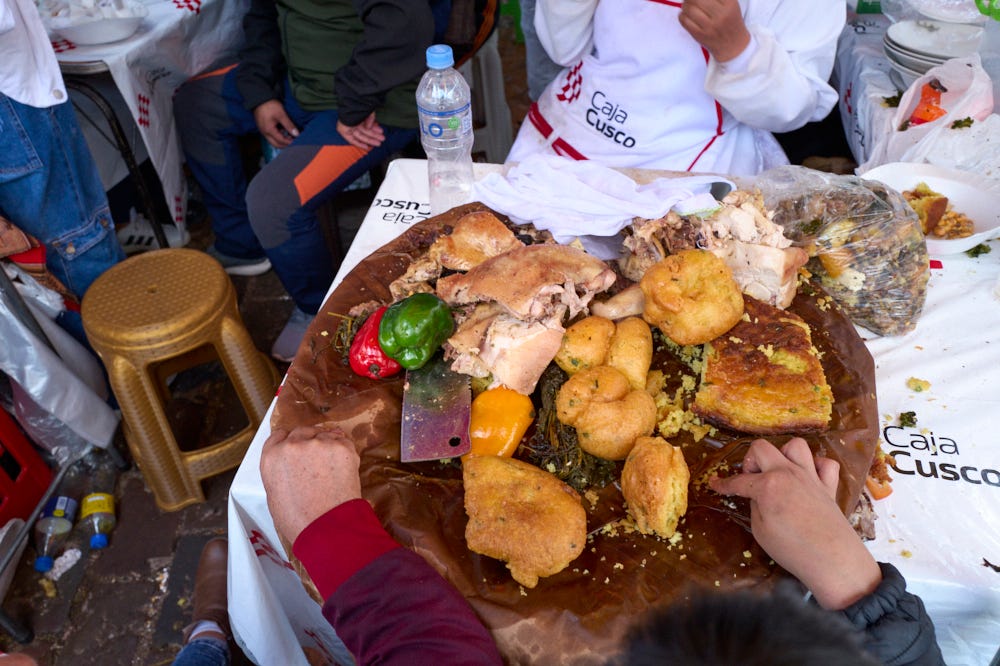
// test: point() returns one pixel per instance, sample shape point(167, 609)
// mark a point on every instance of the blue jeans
point(203, 652)
point(49, 188)
point(276, 213)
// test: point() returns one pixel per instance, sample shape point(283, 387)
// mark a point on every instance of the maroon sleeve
point(385, 602)
point(340, 542)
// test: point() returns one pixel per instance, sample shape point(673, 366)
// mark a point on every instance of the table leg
point(126, 152)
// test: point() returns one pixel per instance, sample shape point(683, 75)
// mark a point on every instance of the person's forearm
point(783, 84)
point(261, 74)
point(385, 602)
point(895, 623)
point(340, 543)
point(392, 52)
point(565, 28)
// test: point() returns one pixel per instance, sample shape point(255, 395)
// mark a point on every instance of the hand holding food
point(307, 472)
point(797, 521)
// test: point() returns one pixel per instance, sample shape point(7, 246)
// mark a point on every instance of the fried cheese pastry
point(655, 485)
point(764, 376)
point(607, 413)
point(691, 296)
point(522, 515)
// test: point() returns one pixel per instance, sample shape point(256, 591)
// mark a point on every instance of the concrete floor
point(128, 603)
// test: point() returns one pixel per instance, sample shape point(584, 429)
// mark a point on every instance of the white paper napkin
point(583, 199)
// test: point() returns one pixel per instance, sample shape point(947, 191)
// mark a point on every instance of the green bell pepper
point(413, 329)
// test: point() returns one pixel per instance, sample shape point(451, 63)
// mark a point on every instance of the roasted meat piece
point(529, 281)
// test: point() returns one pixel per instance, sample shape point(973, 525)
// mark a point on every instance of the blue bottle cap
point(43, 563)
point(439, 56)
point(99, 541)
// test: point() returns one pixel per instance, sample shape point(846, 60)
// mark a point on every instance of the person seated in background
point(698, 85)
point(330, 86)
point(311, 477)
point(49, 185)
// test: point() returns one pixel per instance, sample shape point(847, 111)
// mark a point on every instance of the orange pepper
point(500, 417)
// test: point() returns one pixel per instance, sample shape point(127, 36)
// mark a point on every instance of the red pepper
point(366, 356)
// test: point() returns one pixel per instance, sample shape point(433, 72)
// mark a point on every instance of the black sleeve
point(261, 73)
point(897, 628)
point(391, 52)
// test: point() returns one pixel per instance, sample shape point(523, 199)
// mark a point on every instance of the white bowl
point(968, 193)
point(96, 30)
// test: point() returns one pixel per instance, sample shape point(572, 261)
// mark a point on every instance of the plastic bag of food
point(864, 242)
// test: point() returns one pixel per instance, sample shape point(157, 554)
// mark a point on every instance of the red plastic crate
point(24, 476)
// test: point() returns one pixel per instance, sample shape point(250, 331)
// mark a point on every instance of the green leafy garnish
point(964, 122)
point(980, 249)
point(893, 100)
point(908, 419)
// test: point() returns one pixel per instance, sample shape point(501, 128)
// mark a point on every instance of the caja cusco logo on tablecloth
point(910, 449)
point(402, 211)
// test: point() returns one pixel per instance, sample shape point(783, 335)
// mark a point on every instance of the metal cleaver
point(436, 407)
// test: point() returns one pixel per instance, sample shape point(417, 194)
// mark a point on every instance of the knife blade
point(437, 403)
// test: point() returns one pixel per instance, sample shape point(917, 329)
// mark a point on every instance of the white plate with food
point(968, 194)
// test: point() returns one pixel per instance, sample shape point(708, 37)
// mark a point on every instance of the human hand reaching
point(717, 25)
point(307, 472)
point(795, 519)
point(273, 122)
point(365, 135)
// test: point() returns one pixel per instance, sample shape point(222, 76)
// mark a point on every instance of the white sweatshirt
point(29, 74)
point(639, 91)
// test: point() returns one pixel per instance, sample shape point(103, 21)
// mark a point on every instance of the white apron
point(639, 100)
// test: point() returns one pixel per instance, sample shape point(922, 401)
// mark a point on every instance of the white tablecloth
point(179, 38)
point(937, 530)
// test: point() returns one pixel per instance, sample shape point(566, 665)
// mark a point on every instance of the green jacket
point(336, 56)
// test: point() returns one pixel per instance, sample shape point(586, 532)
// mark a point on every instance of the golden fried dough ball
point(691, 296)
point(585, 344)
point(522, 515)
point(607, 413)
point(655, 485)
point(631, 350)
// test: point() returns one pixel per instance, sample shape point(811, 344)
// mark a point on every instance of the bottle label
point(97, 503)
point(60, 506)
point(446, 124)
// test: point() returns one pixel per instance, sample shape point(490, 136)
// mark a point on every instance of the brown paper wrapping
point(580, 615)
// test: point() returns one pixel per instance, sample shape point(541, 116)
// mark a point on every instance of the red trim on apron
point(718, 116)
point(668, 2)
point(545, 129)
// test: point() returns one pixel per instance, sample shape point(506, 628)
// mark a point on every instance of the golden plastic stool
point(151, 316)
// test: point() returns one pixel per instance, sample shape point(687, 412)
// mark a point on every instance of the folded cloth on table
point(582, 199)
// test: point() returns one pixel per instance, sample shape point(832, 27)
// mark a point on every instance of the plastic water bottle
point(56, 520)
point(97, 508)
point(444, 104)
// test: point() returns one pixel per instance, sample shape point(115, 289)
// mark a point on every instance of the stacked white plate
point(915, 46)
